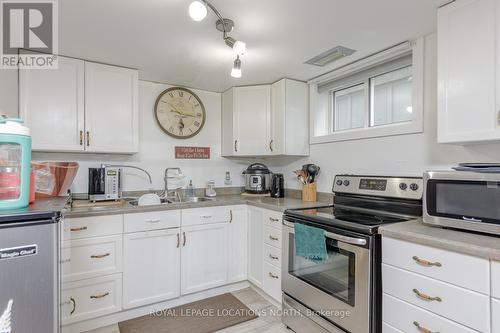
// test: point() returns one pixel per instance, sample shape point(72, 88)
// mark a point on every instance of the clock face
point(180, 113)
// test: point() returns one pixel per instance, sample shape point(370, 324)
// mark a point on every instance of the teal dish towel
point(310, 243)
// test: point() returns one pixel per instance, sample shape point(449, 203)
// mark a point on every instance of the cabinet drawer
point(386, 328)
point(92, 257)
point(271, 281)
point(463, 306)
point(91, 298)
point(273, 219)
point(405, 317)
point(495, 315)
point(84, 227)
point(272, 236)
point(495, 279)
point(272, 255)
point(152, 220)
point(455, 268)
point(205, 215)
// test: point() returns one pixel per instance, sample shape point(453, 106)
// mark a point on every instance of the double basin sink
point(170, 200)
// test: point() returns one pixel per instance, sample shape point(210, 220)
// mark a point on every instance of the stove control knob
point(339, 182)
point(414, 187)
point(403, 186)
point(346, 182)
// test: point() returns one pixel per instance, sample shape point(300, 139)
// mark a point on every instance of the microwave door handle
point(345, 239)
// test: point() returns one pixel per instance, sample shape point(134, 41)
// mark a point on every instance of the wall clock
point(180, 112)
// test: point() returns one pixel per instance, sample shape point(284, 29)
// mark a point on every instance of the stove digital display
point(373, 184)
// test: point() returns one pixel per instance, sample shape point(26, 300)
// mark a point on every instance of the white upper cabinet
point(265, 120)
point(52, 105)
point(111, 109)
point(290, 118)
point(468, 96)
point(81, 106)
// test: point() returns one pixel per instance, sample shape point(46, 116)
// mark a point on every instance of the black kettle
point(277, 185)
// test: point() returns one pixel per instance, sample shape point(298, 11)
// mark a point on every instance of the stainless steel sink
point(165, 201)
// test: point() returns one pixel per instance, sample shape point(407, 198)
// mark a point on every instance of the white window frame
point(416, 125)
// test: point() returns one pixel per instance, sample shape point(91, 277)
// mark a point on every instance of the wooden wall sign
point(192, 153)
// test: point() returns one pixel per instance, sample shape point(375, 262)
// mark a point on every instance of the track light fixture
point(198, 11)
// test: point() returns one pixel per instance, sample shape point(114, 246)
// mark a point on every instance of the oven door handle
point(345, 239)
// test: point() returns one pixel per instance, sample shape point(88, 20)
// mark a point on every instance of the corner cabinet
point(468, 84)
point(81, 107)
point(266, 120)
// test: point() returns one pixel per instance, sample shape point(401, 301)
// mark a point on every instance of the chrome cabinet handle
point(273, 276)
point(236, 145)
point(422, 329)
point(426, 263)
point(99, 296)
point(273, 219)
point(81, 138)
point(471, 219)
point(426, 297)
point(178, 240)
point(88, 138)
point(345, 239)
point(230, 216)
point(64, 261)
point(184, 236)
point(153, 220)
point(273, 257)
point(206, 216)
point(78, 229)
point(273, 238)
point(100, 256)
point(271, 145)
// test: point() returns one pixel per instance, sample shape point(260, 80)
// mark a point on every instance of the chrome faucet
point(166, 178)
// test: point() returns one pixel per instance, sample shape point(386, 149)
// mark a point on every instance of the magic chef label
point(17, 252)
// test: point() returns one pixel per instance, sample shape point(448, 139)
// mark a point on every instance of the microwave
point(105, 183)
point(462, 200)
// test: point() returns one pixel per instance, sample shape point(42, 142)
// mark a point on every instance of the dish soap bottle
point(190, 189)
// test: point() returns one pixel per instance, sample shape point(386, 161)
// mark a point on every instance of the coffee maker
point(277, 186)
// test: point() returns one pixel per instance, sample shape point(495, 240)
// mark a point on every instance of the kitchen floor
point(252, 299)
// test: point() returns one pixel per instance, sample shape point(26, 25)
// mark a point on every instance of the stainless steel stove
point(343, 292)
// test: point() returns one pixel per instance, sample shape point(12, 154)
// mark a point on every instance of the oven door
point(338, 289)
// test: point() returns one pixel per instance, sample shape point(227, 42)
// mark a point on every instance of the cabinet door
point(228, 136)
point(151, 267)
point(111, 109)
point(495, 315)
point(255, 245)
point(467, 109)
point(204, 257)
point(237, 240)
point(252, 120)
point(51, 103)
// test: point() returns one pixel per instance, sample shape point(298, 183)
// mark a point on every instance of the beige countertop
point(474, 244)
point(275, 204)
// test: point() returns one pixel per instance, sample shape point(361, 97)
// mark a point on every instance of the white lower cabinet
point(204, 257)
point(91, 298)
point(255, 245)
point(386, 328)
point(495, 315)
point(151, 271)
point(409, 318)
point(272, 281)
point(237, 245)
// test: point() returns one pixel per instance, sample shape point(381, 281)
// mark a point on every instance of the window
point(377, 96)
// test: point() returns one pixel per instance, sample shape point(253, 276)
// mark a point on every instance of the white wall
point(396, 155)
point(156, 149)
point(8, 92)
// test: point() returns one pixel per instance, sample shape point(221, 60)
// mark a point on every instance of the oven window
point(461, 200)
point(335, 276)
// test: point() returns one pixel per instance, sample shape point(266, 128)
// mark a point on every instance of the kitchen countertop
point(474, 244)
point(40, 209)
point(276, 204)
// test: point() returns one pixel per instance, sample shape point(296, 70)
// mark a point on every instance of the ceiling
point(159, 38)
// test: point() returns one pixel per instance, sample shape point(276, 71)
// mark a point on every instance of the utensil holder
point(309, 192)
